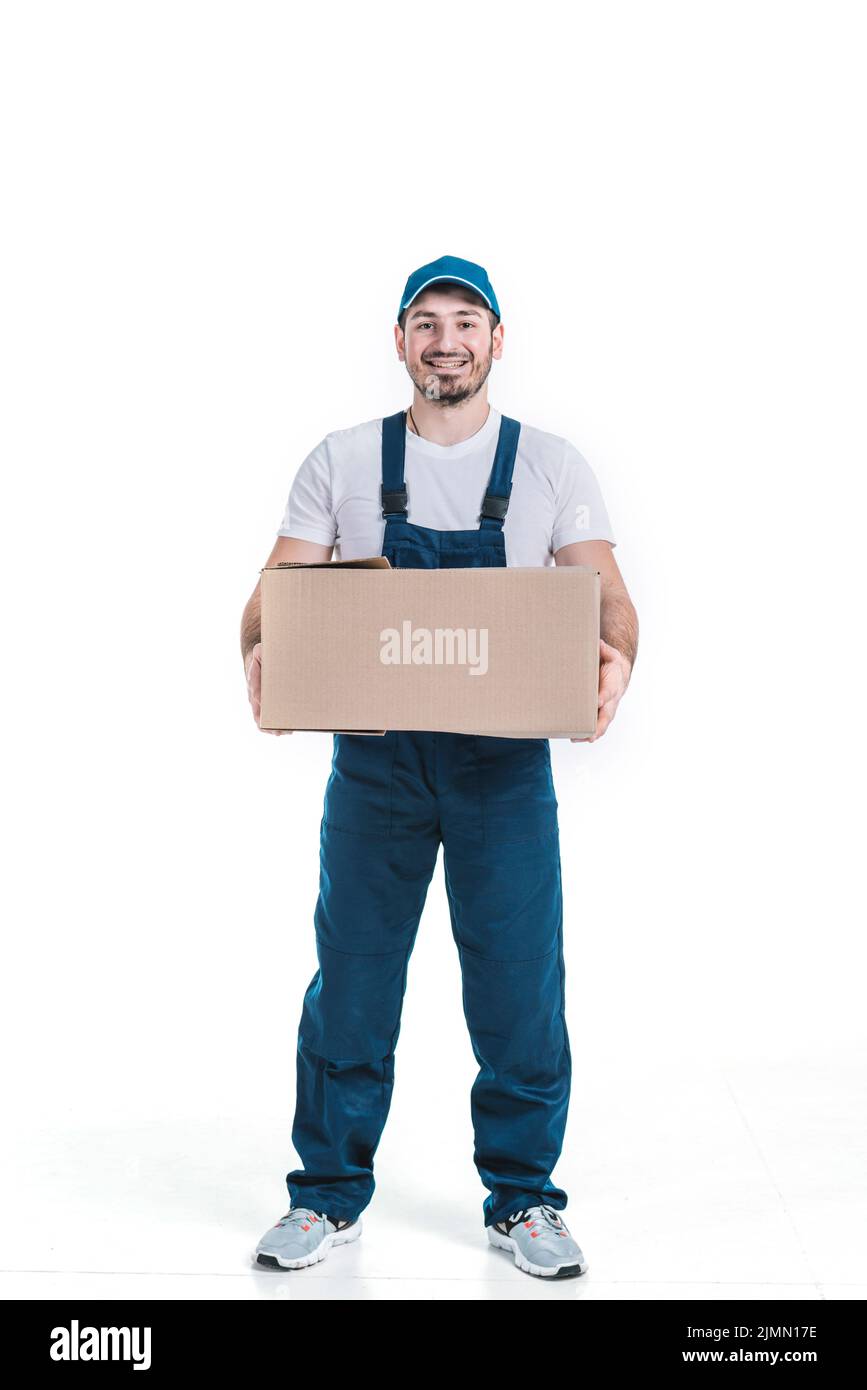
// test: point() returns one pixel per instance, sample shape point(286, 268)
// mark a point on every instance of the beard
point(447, 388)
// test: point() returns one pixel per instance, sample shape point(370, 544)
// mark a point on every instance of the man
point(449, 483)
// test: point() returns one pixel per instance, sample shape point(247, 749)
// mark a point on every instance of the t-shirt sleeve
point(309, 515)
point(580, 512)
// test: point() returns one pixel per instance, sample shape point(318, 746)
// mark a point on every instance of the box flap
point(371, 562)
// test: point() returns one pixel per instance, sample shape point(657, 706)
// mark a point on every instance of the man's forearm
point(251, 624)
point(618, 623)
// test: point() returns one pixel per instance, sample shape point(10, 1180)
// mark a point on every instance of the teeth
point(438, 363)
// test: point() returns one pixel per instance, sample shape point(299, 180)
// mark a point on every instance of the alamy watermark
point(76, 1343)
point(439, 646)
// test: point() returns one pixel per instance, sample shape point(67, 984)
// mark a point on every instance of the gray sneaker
point(303, 1237)
point(540, 1243)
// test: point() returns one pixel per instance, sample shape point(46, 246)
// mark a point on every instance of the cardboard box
point(359, 647)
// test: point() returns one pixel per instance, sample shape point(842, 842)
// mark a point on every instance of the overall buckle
point(393, 501)
point(495, 507)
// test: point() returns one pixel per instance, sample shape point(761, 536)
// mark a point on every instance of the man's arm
point(286, 548)
point(618, 625)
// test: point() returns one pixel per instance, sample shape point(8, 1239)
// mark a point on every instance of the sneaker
point(303, 1237)
point(540, 1243)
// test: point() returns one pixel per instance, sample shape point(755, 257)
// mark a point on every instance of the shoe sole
point(502, 1242)
point(263, 1259)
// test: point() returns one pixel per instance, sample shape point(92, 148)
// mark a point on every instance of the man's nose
point(446, 341)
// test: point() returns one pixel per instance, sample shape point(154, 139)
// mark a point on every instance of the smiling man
point(450, 482)
point(447, 344)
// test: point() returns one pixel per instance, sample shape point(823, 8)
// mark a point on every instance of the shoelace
point(301, 1214)
point(542, 1214)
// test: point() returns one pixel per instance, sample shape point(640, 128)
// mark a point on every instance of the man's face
point(447, 344)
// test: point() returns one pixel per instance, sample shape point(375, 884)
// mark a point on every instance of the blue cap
point(454, 270)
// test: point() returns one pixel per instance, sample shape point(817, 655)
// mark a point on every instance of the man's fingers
point(603, 719)
point(607, 691)
point(610, 683)
point(606, 715)
point(611, 688)
point(253, 670)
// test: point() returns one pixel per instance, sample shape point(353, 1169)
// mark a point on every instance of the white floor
point(740, 1182)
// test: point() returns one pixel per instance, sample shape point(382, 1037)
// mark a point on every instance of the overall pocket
point(359, 792)
point(516, 789)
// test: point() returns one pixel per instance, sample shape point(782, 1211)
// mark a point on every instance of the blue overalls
point(389, 801)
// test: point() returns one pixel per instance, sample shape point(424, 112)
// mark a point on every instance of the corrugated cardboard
point(359, 647)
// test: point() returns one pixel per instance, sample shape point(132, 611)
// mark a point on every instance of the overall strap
point(496, 502)
point(393, 487)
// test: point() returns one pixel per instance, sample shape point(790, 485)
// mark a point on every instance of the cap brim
point(449, 280)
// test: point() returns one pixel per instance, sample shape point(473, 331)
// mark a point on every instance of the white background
point(211, 211)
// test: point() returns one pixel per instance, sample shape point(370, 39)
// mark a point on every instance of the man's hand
point(614, 673)
point(253, 668)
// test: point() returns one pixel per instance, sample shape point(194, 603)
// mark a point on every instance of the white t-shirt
point(555, 498)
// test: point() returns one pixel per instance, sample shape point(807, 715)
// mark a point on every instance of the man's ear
point(400, 342)
point(497, 341)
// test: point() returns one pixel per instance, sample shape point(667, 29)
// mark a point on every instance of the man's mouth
point(447, 363)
